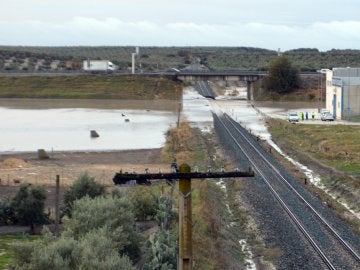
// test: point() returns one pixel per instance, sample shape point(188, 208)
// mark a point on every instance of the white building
point(343, 92)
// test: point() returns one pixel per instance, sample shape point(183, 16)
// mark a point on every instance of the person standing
point(306, 115)
point(312, 115)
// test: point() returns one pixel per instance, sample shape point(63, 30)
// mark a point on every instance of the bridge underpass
point(246, 76)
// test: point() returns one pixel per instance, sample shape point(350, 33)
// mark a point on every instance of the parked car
point(327, 117)
point(293, 117)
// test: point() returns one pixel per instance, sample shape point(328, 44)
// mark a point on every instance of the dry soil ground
point(28, 168)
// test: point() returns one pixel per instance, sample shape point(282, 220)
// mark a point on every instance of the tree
point(112, 215)
point(144, 202)
point(85, 185)
point(283, 77)
point(7, 215)
point(28, 206)
point(93, 251)
point(101, 234)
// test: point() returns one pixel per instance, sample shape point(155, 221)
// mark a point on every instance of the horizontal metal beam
point(169, 176)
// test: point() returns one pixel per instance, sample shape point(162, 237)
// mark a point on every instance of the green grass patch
point(337, 146)
point(6, 254)
point(89, 87)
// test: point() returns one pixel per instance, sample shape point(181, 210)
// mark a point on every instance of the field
point(89, 87)
point(332, 151)
point(15, 58)
point(336, 146)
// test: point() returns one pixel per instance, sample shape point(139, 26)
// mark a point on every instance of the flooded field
point(56, 125)
point(60, 125)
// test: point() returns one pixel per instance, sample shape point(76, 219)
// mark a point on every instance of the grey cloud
point(112, 31)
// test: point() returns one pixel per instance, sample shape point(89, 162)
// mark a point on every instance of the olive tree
point(85, 185)
point(101, 234)
point(28, 206)
point(113, 215)
point(7, 215)
point(93, 251)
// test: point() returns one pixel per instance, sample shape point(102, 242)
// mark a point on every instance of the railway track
point(204, 89)
point(334, 242)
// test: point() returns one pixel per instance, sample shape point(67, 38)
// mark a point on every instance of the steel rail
point(204, 90)
point(317, 214)
point(282, 203)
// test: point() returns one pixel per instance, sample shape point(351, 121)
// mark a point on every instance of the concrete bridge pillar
point(249, 89)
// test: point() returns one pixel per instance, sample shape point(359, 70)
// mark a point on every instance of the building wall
point(333, 95)
point(343, 92)
point(352, 100)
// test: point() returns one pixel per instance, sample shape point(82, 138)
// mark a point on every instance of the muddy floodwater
point(65, 125)
point(57, 125)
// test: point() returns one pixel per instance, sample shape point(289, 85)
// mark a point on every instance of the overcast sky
point(269, 24)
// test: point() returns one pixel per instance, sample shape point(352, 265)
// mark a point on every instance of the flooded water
point(197, 110)
point(57, 125)
point(54, 125)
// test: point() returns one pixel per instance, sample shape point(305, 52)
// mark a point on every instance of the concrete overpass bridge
point(250, 76)
point(247, 76)
point(242, 75)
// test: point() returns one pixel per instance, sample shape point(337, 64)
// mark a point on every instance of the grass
point(89, 87)
point(6, 254)
point(337, 146)
point(215, 243)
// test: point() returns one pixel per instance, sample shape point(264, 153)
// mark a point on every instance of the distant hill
point(24, 58)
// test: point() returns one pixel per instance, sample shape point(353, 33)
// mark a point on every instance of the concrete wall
point(343, 92)
point(352, 101)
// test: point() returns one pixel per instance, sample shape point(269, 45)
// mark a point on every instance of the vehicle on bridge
point(98, 66)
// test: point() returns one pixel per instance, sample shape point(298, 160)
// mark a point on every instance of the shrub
point(164, 213)
point(162, 251)
point(93, 251)
point(311, 96)
point(144, 202)
point(112, 215)
point(85, 185)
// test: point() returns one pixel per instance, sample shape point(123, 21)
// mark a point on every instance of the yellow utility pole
point(185, 224)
